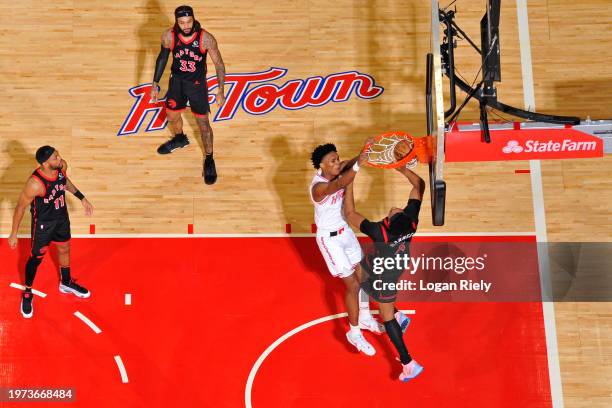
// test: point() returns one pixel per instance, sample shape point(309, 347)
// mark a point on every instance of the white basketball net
point(381, 152)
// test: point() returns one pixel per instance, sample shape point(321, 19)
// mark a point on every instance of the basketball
point(402, 149)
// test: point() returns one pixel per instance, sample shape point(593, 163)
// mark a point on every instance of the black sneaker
point(177, 142)
point(27, 310)
point(210, 171)
point(74, 288)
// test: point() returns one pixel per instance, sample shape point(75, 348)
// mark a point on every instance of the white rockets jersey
point(328, 211)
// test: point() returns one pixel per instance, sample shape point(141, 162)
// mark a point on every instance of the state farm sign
point(521, 144)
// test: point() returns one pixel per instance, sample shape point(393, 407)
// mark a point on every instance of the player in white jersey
point(336, 240)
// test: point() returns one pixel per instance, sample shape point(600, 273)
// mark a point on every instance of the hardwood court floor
point(67, 68)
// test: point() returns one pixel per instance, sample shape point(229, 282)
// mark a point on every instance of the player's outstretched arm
point(32, 189)
point(215, 55)
point(75, 191)
point(346, 176)
point(320, 190)
point(360, 159)
point(350, 214)
point(418, 184)
point(160, 63)
point(347, 164)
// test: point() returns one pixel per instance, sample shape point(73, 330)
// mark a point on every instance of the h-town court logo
point(256, 94)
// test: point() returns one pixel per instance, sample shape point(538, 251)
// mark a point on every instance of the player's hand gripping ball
point(402, 149)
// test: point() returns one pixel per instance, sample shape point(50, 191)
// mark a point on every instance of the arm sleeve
point(160, 64)
point(371, 229)
point(413, 208)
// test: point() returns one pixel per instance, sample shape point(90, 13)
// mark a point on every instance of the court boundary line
point(121, 367)
point(285, 235)
point(539, 216)
point(22, 288)
point(88, 322)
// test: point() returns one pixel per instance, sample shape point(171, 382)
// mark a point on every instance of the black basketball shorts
point(181, 91)
point(45, 232)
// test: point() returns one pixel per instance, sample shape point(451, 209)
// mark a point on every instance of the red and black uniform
point(388, 242)
point(50, 222)
point(188, 77)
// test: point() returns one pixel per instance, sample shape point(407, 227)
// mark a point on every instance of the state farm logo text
point(567, 145)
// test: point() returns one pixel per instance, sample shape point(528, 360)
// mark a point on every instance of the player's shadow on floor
point(149, 39)
point(16, 169)
point(290, 182)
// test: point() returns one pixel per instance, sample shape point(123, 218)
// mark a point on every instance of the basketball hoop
point(394, 149)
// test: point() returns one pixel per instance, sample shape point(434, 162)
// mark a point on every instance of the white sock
point(354, 329)
point(364, 305)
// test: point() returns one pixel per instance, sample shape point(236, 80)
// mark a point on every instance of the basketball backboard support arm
point(486, 98)
point(489, 40)
point(447, 53)
point(520, 113)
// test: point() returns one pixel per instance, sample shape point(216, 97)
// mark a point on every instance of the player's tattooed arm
point(70, 187)
point(350, 214)
point(32, 189)
point(210, 43)
point(166, 38)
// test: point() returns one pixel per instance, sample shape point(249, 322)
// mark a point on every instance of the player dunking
point(337, 242)
point(391, 236)
point(189, 44)
point(44, 192)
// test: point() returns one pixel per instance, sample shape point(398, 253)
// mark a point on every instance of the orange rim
point(419, 150)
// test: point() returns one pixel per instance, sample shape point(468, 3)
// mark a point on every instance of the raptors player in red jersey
point(189, 44)
point(44, 192)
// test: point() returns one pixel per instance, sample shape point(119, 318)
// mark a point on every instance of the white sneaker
point(371, 324)
point(357, 340)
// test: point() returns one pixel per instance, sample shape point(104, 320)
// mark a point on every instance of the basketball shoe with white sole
point(370, 323)
point(27, 309)
point(75, 289)
point(360, 343)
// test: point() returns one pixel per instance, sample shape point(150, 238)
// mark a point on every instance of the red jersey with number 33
point(189, 57)
point(51, 205)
